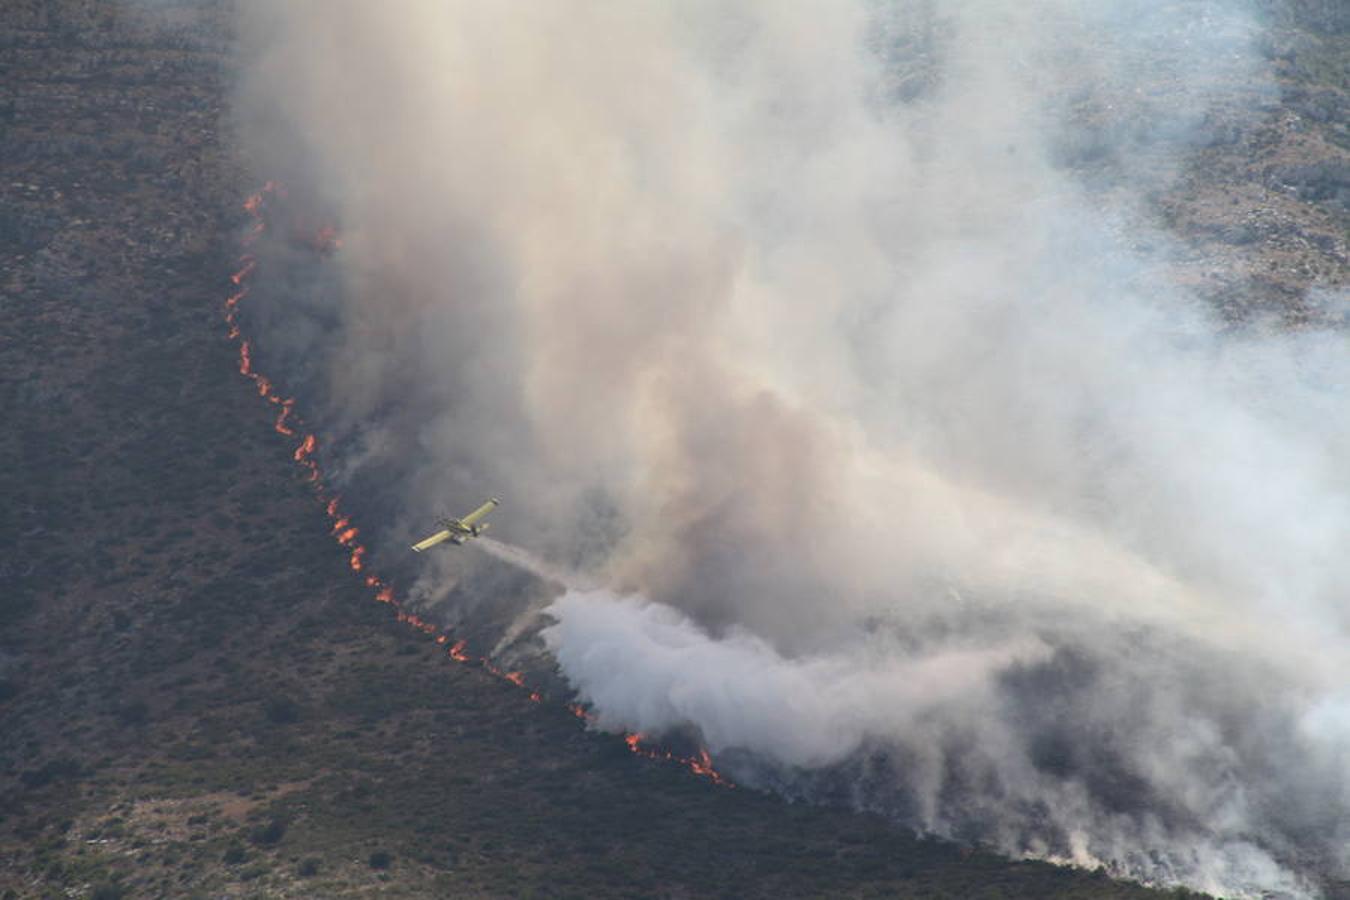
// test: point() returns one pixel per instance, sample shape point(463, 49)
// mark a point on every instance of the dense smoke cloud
point(834, 340)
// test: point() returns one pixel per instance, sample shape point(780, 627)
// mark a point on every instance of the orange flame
point(306, 448)
point(249, 265)
point(699, 765)
point(280, 425)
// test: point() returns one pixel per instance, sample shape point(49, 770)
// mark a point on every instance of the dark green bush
point(133, 712)
point(62, 767)
point(268, 834)
point(281, 710)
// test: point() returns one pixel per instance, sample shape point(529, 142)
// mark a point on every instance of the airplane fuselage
point(458, 531)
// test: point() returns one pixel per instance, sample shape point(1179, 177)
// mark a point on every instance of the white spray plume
point(797, 320)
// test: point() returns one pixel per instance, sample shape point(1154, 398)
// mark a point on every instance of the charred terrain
point(196, 696)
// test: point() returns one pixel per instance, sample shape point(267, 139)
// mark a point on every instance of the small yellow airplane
point(457, 531)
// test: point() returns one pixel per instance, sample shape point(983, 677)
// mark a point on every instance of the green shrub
point(134, 712)
point(281, 710)
point(269, 834)
point(62, 767)
point(255, 871)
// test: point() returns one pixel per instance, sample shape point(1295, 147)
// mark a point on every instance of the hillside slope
point(196, 696)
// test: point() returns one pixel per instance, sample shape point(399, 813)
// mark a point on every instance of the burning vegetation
point(325, 240)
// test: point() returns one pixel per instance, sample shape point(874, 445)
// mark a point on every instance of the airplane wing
point(458, 530)
point(473, 517)
point(439, 537)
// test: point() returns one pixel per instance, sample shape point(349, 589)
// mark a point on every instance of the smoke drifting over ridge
point(911, 476)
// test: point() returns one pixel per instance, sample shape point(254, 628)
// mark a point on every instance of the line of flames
point(342, 528)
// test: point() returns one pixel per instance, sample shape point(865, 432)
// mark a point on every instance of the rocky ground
point(197, 698)
point(1264, 206)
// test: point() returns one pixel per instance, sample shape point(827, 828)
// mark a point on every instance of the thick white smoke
point(804, 328)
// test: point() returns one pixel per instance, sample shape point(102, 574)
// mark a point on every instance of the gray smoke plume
point(835, 341)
